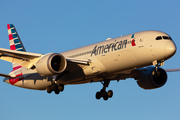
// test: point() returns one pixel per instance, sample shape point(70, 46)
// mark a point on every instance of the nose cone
point(170, 48)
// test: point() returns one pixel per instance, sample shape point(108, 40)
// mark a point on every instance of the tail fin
point(14, 39)
point(15, 43)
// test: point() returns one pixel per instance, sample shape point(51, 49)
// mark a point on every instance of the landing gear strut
point(103, 93)
point(157, 64)
point(56, 88)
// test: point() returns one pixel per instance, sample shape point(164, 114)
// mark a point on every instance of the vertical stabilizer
point(14, 39)
point(15, 44)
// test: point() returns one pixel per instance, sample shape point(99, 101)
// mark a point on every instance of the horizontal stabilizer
point(6, 75)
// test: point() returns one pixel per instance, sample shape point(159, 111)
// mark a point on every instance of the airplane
point(138, 55)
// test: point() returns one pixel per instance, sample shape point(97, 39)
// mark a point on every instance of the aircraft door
point(141, 41)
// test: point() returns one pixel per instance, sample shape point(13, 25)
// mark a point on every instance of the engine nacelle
point(150, 79)
point(51, 64)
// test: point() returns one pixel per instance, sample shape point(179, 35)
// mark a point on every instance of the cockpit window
point(158, 38)
point(166, 38)
point(170, 38)
point(163, 37)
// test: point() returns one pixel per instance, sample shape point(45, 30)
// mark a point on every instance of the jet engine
point(51, 64)
point(150, 78)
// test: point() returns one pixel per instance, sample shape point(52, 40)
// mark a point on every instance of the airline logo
point(14, 39)
point(133, 40)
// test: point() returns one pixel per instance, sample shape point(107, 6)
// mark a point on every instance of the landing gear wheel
point(57, 91)
point(105, 97)
point(49, 90)
point(103, 93)
point(54, 87)
point(98, 95)
point(110, 93)
point(61, 87)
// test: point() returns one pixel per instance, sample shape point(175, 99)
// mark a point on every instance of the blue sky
point(57, 26)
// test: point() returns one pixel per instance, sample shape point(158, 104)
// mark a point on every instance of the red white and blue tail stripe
point(14, 39)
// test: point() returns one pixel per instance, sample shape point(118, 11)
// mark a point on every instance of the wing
point(79, 61)
point(127, 74)
point(172, 70)
point(27, 59)
point(136, 73)
point(18, 54)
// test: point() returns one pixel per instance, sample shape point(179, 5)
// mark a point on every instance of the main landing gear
point(56, 88)
point(102, 93)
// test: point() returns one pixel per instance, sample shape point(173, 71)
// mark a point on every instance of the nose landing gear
point(102, 93)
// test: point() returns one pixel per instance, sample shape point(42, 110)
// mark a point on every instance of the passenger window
point(158, 38)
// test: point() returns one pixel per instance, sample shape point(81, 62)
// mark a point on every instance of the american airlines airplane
point(137, 55)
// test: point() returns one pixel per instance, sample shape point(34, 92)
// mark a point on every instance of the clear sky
point(59, 25)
